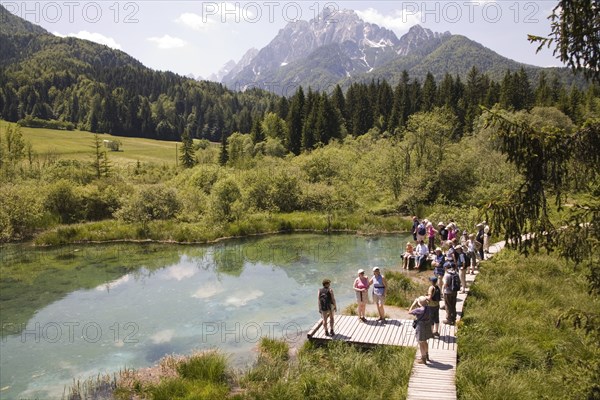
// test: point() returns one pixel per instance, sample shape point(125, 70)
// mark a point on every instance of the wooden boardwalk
point(435, 380)
point(394, 332)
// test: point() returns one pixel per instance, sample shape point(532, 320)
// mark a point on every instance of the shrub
point(64, 202)
point(21, 211)
point(150, 203)
point(224, 196)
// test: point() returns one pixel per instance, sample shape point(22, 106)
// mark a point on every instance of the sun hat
point(441, 224)
point(433, 278)
point(361, 271)
point(422, 300)
point(438, 249)
point(375, 269)
point(448, 264)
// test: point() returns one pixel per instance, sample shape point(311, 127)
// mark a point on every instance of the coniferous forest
point(521, 152)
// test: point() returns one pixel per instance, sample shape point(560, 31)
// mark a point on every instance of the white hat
point(423, 301)
point(441, 224)
point(375, 269)
point(361, 271)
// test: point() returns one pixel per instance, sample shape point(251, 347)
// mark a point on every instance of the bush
point(33, 122)
point(154, 202)
point(224, 196)
point(21, 211)
point(64, 201)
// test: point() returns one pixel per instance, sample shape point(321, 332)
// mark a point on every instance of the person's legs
point(450, 303)
point(423, 349)
point(331, 322)
point(325, 315)
point(463, 279)
point(435, 318)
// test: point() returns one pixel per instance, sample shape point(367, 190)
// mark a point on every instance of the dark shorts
point(434, 314)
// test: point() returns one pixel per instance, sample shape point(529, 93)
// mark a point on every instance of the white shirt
point(422, 249)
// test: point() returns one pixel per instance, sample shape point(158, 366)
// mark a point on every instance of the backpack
point(421, 230)
point(324, 299)
point(437, 294)
point(455, 282)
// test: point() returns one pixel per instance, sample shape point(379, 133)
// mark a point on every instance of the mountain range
point(340, 48)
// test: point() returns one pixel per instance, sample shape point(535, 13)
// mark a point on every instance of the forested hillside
point(75, 83)
point(103, 90)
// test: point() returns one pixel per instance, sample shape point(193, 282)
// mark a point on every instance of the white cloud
point(93, 37)
point(195, 21)
point(207, 291)
point(398, 20)
point(163, 336)
point(223, 12)
point(181, 272)
point(168, 42)
point(241, 299)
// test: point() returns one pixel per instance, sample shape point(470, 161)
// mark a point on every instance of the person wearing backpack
point(434, 295)
point(327, 305)
point(415, 227)
point(421, 231)
point(462, 263)
point(451, 288)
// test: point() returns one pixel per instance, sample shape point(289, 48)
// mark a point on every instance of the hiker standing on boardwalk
point(451, 288)
point(379, 285)
point(361, 287)
point(479, 241)
point(415, 227)
point(486, 238)
point(422, 326)
point(327, 306)
point(434, 295)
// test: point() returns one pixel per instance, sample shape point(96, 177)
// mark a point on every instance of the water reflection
point(75, 312)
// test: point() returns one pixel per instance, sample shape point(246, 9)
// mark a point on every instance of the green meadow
point(77, 145)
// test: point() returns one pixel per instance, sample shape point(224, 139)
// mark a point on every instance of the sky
point(199, 37)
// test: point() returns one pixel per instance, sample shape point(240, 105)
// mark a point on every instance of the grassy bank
point(184, 232)
point(335, 371)
point(530, 331)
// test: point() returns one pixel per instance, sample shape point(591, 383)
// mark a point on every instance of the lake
point(78, 311)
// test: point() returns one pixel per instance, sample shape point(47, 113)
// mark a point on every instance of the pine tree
point(543, 92)
point(256, 133)
point(97, 155)
point(187, 157)
point(223, 154)
point(295, 122)
point(362, 118)
point(385, 103)
point(429, 93)
point(401, 108)
point(309, 132)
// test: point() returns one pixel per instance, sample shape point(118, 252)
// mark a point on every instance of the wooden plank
point(395, 326)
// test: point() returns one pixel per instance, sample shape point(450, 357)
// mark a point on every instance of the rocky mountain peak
point(416, 36)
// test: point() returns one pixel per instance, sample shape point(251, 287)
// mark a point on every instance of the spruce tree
point(223, 154)
point(187, 156)
point(295, 122)
point(429, 93)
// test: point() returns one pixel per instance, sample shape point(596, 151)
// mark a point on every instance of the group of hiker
point(451, 261)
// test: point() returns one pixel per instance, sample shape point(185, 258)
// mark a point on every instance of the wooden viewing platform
point(434, 380)
point(394, 332)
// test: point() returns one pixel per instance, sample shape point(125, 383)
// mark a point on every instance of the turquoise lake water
point(79, 311)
